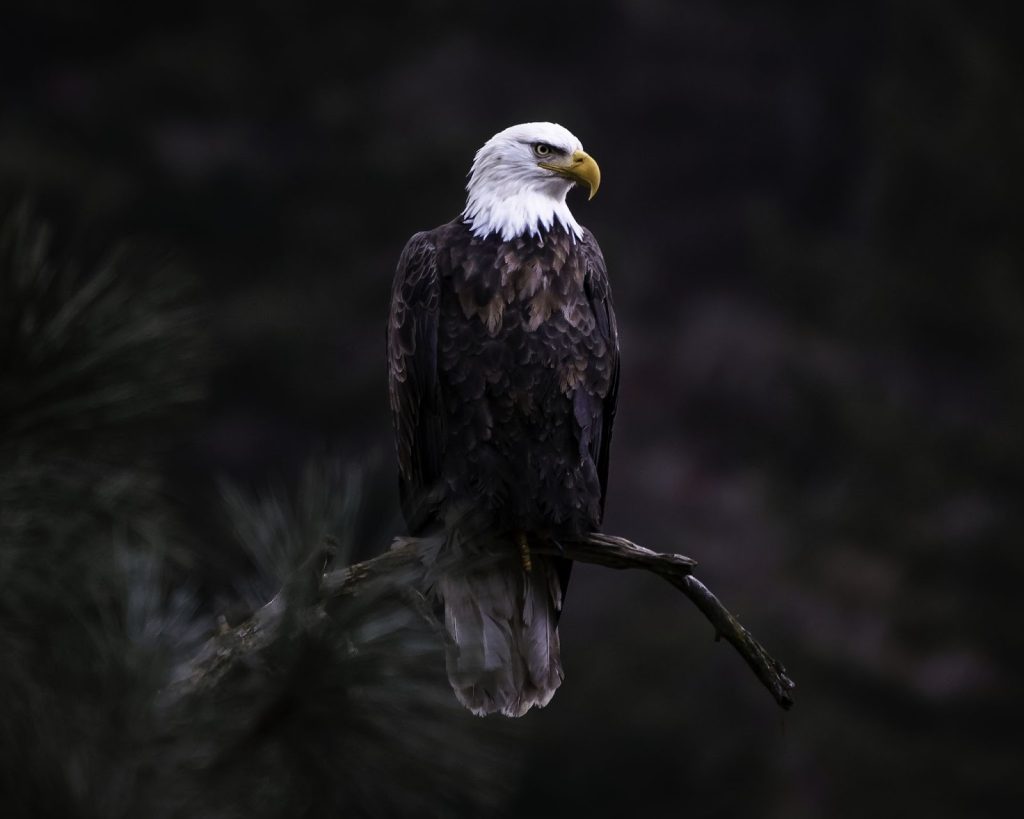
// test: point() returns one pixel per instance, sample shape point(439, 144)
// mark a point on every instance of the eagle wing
point(599, 295)
point(416, 409)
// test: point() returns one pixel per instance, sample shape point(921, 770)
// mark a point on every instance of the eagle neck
point(523, 213)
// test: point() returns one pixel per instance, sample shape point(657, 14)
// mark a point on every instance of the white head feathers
point(509, 193)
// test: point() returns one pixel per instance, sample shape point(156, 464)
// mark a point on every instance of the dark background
point(811, 215)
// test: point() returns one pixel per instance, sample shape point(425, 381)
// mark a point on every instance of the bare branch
point(402, 566)
point(769, 671)
point(615, 553)
point(619, 553)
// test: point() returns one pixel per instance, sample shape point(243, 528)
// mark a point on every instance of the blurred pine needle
point(349, 714)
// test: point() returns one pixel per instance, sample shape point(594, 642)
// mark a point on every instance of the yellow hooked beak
point(580, 167)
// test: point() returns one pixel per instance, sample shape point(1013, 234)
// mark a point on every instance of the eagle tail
point(502, 652)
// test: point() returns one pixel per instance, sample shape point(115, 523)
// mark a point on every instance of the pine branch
point(401, 567)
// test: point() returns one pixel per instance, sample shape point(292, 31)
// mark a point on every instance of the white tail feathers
point(502, 625)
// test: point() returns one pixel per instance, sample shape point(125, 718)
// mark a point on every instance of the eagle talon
point(524, 552)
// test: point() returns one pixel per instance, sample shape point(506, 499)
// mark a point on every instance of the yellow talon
point(524, 552)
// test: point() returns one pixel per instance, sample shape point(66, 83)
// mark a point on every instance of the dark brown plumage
point(503, 372)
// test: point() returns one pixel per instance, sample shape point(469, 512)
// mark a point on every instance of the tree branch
point(615, 553)
point(402, 566)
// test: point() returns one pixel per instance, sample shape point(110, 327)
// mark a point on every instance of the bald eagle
point(503, 365)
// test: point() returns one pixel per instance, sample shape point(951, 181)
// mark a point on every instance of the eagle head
point(520, 178)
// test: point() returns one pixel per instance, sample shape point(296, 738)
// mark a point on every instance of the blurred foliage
point(351, 715)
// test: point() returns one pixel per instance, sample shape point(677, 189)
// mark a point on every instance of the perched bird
point(503, 365)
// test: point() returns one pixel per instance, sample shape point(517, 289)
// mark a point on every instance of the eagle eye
point(542, 149)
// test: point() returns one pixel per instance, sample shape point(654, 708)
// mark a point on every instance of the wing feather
point(600, 296)
point(416, 410)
